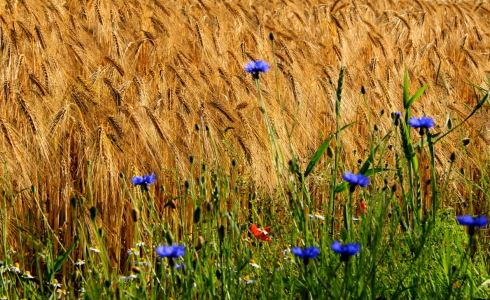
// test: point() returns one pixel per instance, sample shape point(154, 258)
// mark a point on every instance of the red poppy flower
point(362, 208)
point(261, 233)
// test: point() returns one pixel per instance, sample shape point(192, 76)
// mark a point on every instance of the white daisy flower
point(79, 262)
point(133, 251)
point(246, 280)
point(4, 281)
point(143, 262)
point(315, 216)
point(27, 275)
point(287, 255)
point(253, 264)
point(55, 284)
point(128, 278)
point(94, 249)
point(279, 267)
point(139, 244)
point(15, 268)
point(61, 292)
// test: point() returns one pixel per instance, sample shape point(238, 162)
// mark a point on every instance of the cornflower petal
point(336, 247)
point(137, 180)
point(306, 253)
point(256, 67)
point(144, 180)
point(422, 122)
point(345, 250)
point(356, 179)
point(174, 251)
point(467, 220)
point(480, 221)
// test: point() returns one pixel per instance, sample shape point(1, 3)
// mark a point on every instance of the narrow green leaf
point(316, 157)
point(477, 107)
point(341, 187)
point(348, 125)
point(318, 154)
point(59, 261)
point(415, 163)
point(417, 94)
point(49, 274)
point(406, 95)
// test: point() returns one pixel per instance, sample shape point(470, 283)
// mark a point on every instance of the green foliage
point(56, 265)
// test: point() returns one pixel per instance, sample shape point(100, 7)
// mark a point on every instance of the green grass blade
point(341, 187)
point(477, 107)
point(417, 95)
point(406, 95)
point(49, 274)
point(318, 154)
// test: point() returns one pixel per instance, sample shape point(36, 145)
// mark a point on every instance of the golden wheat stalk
point(59, 117)
point(26, 110)
point(116, 65)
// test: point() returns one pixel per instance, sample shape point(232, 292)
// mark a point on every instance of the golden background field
point(137, 87)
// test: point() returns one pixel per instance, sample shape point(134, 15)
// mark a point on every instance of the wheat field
point(95, 92)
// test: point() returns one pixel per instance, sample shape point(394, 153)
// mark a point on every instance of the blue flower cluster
point(144, 180)
point(174, 251)
point(346, 251)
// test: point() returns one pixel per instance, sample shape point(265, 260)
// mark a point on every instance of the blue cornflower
point(306, 254)
point(144, 180)
point(256, 67)
point(355, 180)
point(472, 222)
point(346, 250)
point(398, 114)
point(174, 251)
point(423, 122)
point(479, 222)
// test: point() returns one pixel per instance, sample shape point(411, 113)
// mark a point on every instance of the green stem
point(338, 148)
point(435, 195)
